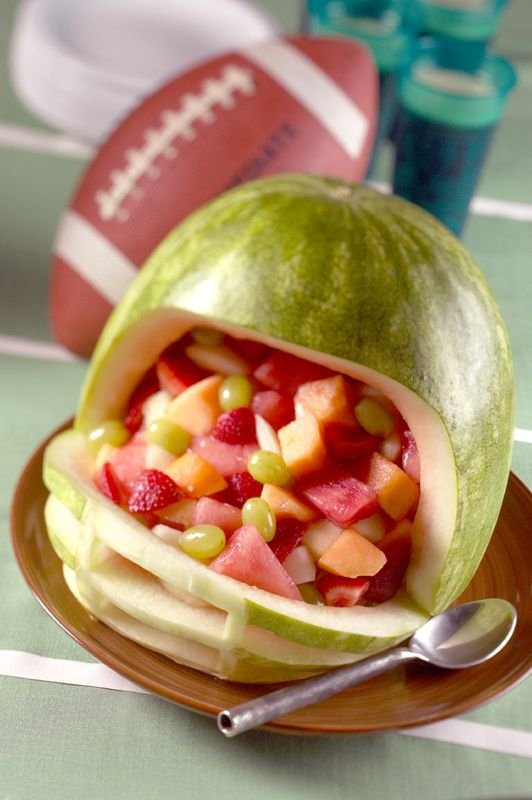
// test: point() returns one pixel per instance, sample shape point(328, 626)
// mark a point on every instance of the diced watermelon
point(248, 558)
point(148, 385)
point(397, 546)
point(213, 512)
point(410, 455)
point(109, 485)
point(339, 591)
point(285, 372)
point(274, 407)
point(240, 487)
point(287, 537)
point(129, 460)
point(346, 445)
point(228, 459)
point(341, 498)
point(176, 372)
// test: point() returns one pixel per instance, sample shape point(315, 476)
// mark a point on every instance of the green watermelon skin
point(345, 271)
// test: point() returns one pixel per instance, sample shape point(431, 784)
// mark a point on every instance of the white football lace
point(176, 124)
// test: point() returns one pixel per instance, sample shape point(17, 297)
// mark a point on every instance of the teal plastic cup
point(451, 100)
point(464, 20)
point(381, 26)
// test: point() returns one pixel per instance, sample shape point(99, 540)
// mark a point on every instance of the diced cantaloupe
point(396, 492)
point(302, 446)
point(327, 400)
point(352, 555)
point(286, 505)
point(197, 408)
point(195, 475)
point(319, 537)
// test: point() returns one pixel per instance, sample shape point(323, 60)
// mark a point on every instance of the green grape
point(207, 336)
point(202, 541)
point(111, 432)
point(374, 418)
point(168, 435)
point(310, 594)
point(235, 392)
point(268, 467)
point(257, 512)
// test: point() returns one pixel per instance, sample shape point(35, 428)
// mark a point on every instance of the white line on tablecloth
point(485, 206)
point(522, 435)
point(21, 664)
point(31, 348)
point(477, 734)
point(21, 138)
point(36, 141)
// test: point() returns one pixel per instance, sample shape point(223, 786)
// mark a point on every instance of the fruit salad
point(267, 468)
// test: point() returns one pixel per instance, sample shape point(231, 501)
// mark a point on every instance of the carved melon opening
point(114, 379)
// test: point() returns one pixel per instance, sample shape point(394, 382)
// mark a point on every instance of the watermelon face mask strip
point(412, 380)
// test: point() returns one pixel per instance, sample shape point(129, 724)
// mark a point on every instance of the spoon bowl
point(460, 637)
point(465, 635)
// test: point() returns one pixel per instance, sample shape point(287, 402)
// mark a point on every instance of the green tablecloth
point(62, 741)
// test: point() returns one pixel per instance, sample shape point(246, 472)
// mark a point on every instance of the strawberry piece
point(147, 386)
point(346, 444)
point(241, 486)
point(236, 426)
point(339, 591)
point(285, 372)
point(341, 498)
point(274, 407)
point(109, 485)
point(410, 455)
point(287, 537)
point(397, 546)
point(152, 490)
point(176, 372)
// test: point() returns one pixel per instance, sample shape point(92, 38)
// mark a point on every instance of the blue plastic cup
point(464, 20)
point(381, 26)
point(451, 100)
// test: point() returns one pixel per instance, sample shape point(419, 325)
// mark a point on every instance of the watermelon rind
point(370, 286)
point(347, 273)
point(236, 666)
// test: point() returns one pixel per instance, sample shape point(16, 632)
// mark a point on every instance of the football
point(294, 104)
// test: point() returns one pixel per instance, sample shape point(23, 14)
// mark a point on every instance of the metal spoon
point(460, 637)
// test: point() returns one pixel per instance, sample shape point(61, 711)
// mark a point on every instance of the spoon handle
point(254, 713)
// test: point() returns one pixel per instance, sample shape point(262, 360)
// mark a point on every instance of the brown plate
point(404, 697)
